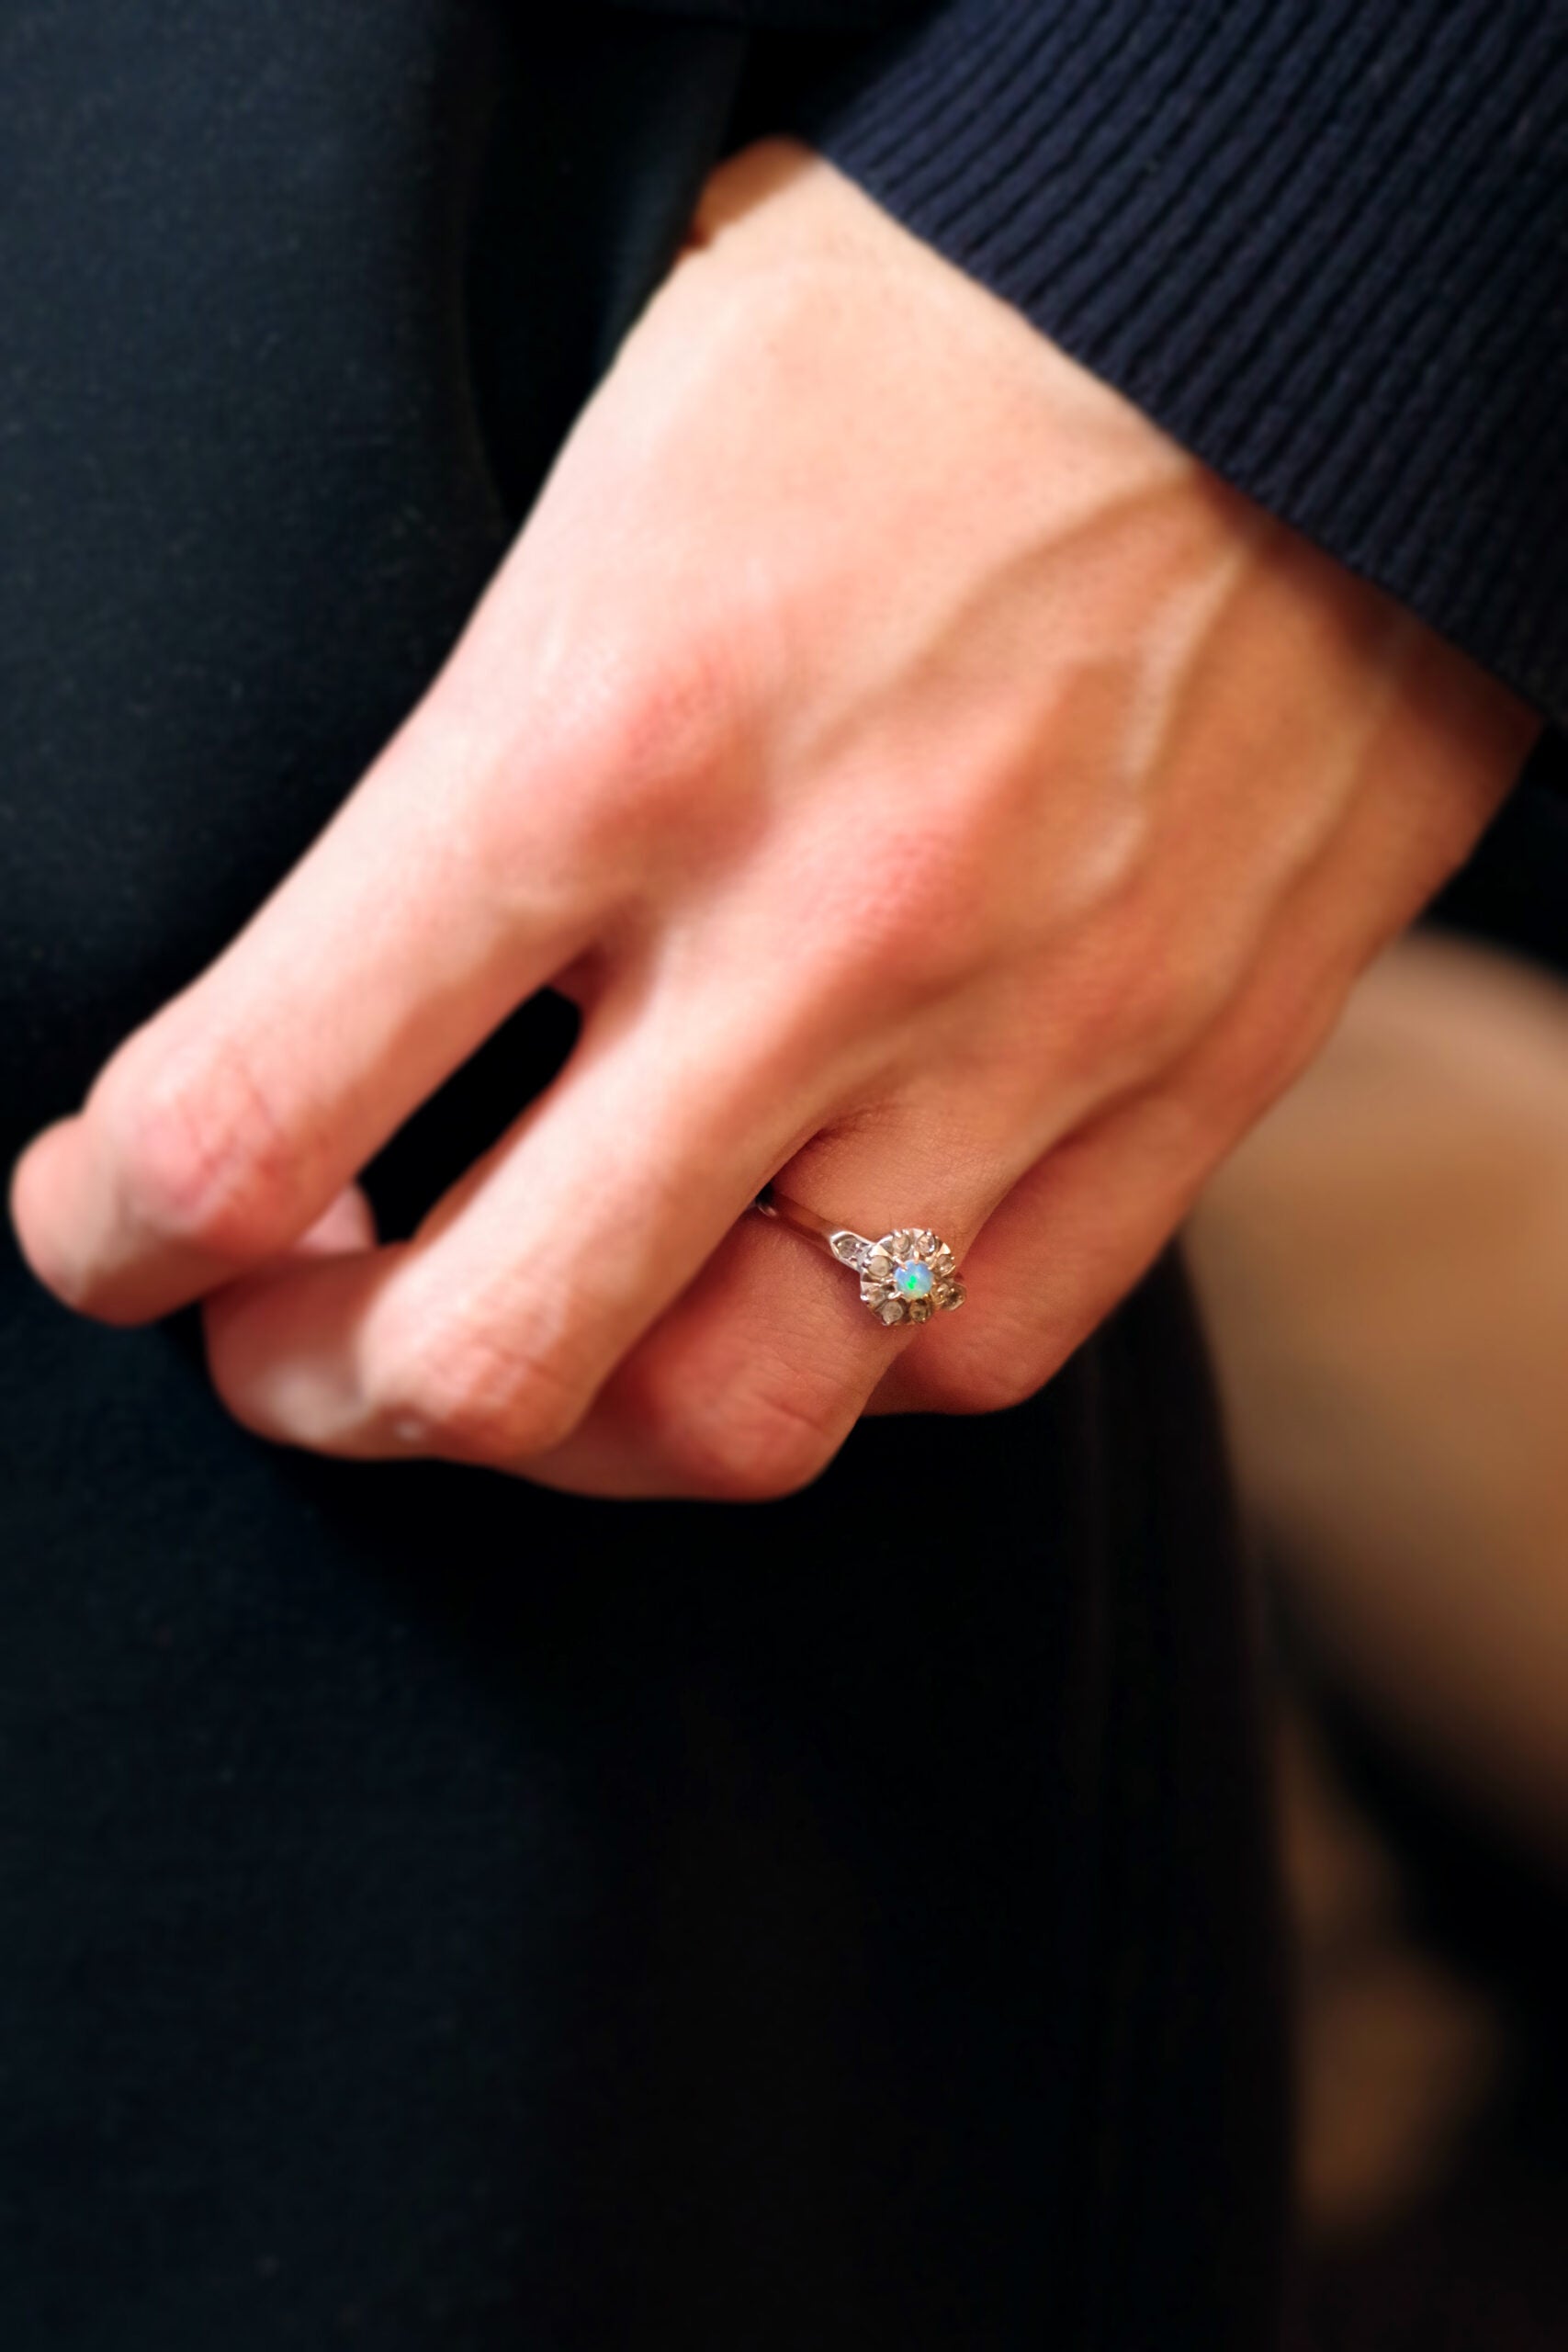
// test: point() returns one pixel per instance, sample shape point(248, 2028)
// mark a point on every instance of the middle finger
point(486, 1337)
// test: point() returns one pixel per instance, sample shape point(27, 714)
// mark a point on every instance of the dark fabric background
point(433, 1914)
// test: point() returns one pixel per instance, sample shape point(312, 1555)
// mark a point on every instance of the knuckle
point(757, 1443)
point(1156, 1015)
point(993, 1379)
point(905, 945)
point(1135, 1006)
point(672, 721)
point(642, 739)
point(921, 931)
point(453, 1391)
point(204, 1158)
point(1249, 1067)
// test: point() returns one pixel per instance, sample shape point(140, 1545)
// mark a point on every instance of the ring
point(907, 1277)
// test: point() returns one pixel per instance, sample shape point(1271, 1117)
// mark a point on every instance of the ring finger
point(749, 1382)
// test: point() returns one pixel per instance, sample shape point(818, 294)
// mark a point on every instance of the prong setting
point(909, 1276)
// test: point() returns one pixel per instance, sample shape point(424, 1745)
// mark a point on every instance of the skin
point(939, 793)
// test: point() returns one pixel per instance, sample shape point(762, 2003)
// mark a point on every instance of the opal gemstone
point(913, 1282)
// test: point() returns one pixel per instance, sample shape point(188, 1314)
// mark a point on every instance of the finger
point(223, 1128)
point(1082, 1226)
point(1071, 1239)
point(737, 1393)
point(750, 1383)
point(487, 1337)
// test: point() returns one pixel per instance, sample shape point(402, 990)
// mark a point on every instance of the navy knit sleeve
point(1324, 243)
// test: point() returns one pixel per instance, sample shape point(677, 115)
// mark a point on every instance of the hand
point(935, 789)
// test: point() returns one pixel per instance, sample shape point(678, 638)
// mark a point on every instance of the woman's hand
point(937, 791)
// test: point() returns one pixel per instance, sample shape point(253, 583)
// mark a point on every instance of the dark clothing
point(438, 1914)
point(1324, 243)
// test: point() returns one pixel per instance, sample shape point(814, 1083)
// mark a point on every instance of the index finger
point(221, 1130)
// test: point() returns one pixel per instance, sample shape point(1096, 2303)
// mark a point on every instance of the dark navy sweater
point(1324, 243)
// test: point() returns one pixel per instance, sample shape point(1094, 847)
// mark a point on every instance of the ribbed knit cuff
point(1322, 243)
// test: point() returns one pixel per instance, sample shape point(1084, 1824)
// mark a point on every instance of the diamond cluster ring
point(907, 1277)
